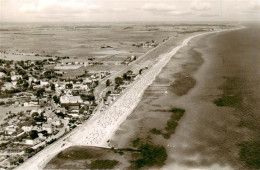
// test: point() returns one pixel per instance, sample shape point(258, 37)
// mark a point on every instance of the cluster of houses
point(30, 129)
point(50, 106)
point(129, 60)
point(146, 44)
point(42, 121)
point(149, 44)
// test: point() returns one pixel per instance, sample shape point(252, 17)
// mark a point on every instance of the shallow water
point(208, 136)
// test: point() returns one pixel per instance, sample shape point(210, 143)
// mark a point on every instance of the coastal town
point(50, 105)
point(112, 84)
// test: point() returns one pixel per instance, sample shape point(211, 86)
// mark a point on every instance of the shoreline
point(210, 135)
point(151, 76)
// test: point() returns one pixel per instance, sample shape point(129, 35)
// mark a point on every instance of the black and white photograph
point(130, 84)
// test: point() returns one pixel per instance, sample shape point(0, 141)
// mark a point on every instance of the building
point(70, 100)
point(31, 141)
point(15, 77)
point(77, 86)
point(88, 81)
point(10, 129)
point(41, 136)
point(48, 128)
point(32, 79)
point(2, 75)
point(27, 128)
point(44, 83)
point(74, 115)
point(56, 122)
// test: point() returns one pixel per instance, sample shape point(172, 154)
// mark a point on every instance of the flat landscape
point(112, 84)
point(209, 105)
point(129, 96)
point(80, 40)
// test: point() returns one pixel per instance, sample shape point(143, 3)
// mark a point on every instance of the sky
point(128, 10)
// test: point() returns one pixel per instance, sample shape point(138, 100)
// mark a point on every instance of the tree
point(126, 77)
point(82, 109)
point(60, 114)
point(20, 81)
point(31, 87)
point(7, 79)
point(151, 155)
point(56, 99)
point(40, 92)
point(108, 93)
point(26, 77)
point(90, 98)
point(44, 133)
point(70, 86)
point(52, 87)
point(33, 134)
point(35, 114)
point(119, 80)
point(26, 85)
point(108, 83)
point(96, 83)
point(20, 160)
point(29, 150)
point(140, 71)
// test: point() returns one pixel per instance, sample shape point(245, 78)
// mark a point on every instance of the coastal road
point(136, 65)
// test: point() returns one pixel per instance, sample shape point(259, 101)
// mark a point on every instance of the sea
point(221, 126)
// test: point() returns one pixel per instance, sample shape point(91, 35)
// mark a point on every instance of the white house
point(132, 57)
point(12, 73)
point(2, 75)
point(56, 122)
point(85, 64)
point(77, 86)
point(73, 115)
point(10, 129)
point(85, 87)
point(27, 128)
point(31, 141)
point(30, 104)
point(14, 83)
point(44, 83)
point(15, 77)
point(41, 136)
point(71, 100)
point(87, 80)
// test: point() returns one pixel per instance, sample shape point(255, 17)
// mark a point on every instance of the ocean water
point(211, 136)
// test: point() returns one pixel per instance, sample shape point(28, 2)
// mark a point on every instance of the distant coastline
point(173, 52)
